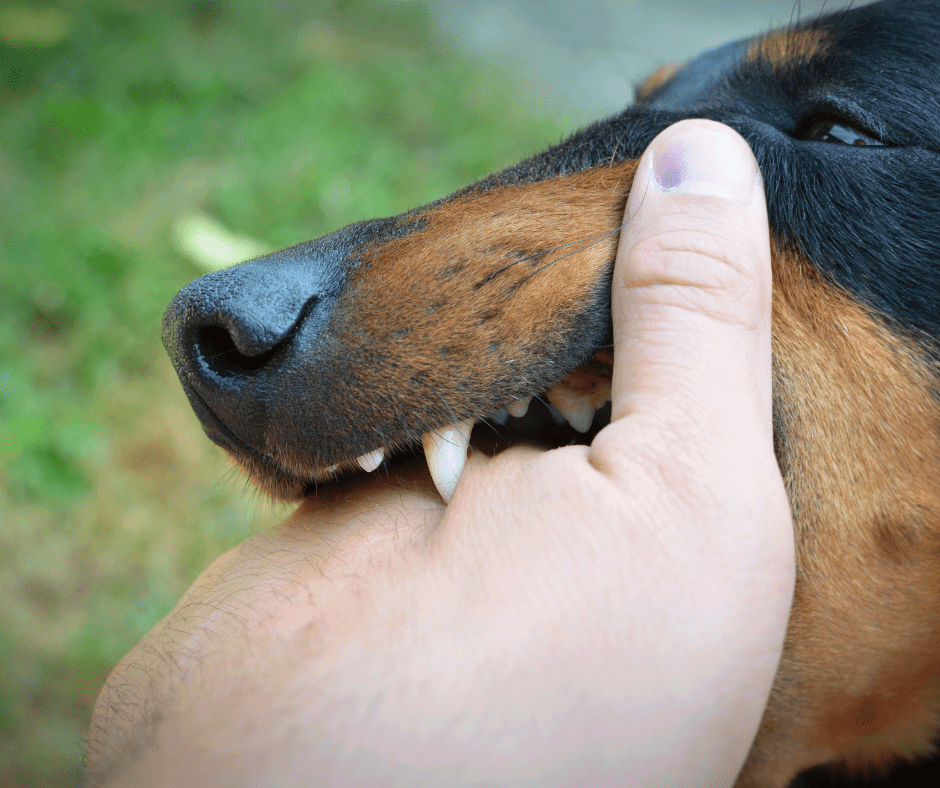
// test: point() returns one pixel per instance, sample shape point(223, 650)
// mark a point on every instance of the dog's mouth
point(571, 411)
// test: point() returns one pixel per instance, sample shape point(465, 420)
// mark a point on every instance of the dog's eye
point(828, 130)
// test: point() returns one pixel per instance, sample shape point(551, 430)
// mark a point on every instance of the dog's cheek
point(855, 404)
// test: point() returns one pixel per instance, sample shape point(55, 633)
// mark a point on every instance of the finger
point(692, 283)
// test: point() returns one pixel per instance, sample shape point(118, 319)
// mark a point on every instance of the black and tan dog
point(331, 355)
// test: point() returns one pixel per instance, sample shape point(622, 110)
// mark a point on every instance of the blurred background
point(142, 143)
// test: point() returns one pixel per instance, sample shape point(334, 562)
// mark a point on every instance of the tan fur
point(490, 285)
point(465, 260)
point(860, 677)
point(789, 49)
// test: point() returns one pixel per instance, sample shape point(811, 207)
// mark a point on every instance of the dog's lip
point(445, 449)
point(574, 401)
point(217, 431)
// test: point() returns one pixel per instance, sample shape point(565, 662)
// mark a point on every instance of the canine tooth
point(369, 462)
point(520, 407)
point(577, 409)
point(446, 453)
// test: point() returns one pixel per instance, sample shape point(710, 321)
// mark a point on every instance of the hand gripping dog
point(327, 358)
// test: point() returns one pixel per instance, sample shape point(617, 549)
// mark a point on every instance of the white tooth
point(446, 453)
point(576, 408)
point(520, 407)
point(369, 462)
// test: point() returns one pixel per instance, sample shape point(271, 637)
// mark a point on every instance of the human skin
point(610, 614)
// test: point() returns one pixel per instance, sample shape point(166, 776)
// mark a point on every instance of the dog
point(329, 357)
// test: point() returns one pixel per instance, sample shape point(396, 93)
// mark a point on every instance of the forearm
point(328, 729)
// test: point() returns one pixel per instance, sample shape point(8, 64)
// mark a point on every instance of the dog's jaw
point(578, 399)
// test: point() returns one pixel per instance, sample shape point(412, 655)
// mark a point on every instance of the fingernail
point(709, 164)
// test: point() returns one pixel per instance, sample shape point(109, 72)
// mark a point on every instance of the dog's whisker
point(593, 238)
point(520, 260)
point(453, 416)
point(576, 251)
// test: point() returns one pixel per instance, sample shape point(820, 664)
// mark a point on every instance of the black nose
point(230, 322)
point(232, 333)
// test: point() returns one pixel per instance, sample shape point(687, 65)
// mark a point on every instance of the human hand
point(590, 615)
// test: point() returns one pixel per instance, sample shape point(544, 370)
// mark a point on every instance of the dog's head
point(302, 362)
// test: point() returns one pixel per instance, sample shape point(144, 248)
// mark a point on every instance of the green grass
point(280, 120)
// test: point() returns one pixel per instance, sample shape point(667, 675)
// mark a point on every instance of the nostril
point(214, 351)
point(238, 325)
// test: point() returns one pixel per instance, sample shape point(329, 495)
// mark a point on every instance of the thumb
point(692, 284)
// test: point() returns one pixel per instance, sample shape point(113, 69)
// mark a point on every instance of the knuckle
point(703, 268)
